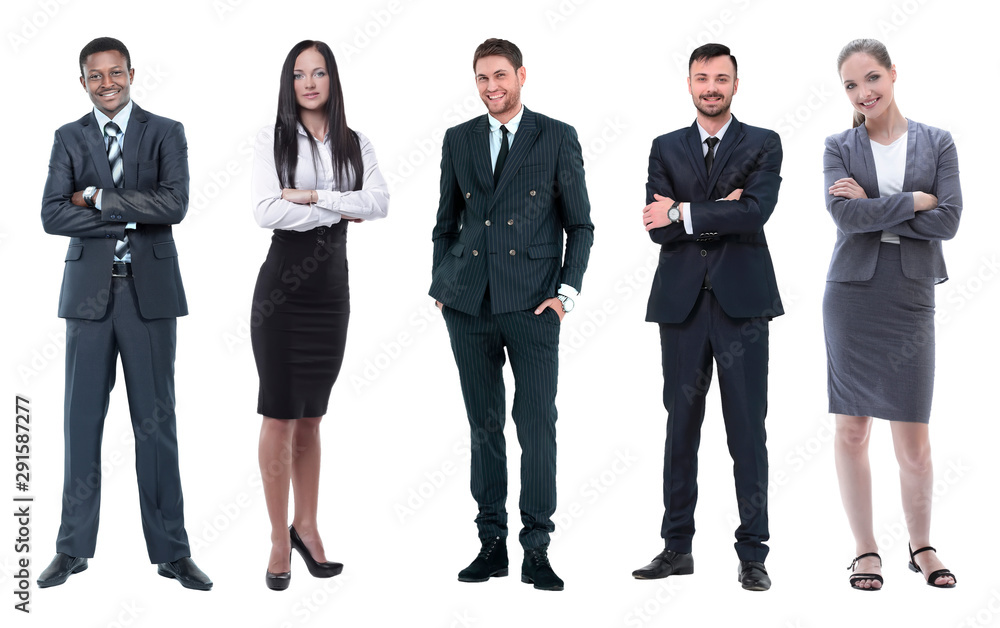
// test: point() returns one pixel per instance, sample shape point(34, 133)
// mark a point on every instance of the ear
point(131, 75)
point(83, 84)
point(521, 75)
point(736, 85)
point(689, 86)
point(892, 71)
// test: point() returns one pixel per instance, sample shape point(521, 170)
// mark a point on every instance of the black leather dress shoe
point(490, 563)
point(666, 563)
point(186, 572)
point(278, 581)
point(317, 569)
point(536, 570)
point(60, 569)
point(753, 576)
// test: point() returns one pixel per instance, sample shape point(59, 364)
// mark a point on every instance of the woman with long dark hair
point(893, 191)
point(311, 175)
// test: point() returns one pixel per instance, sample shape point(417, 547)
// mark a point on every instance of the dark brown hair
point(874, 49)
point(498, 47)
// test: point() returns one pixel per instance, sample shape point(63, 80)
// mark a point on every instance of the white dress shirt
point(496, 139)
point(336, 198)
point(121, 119)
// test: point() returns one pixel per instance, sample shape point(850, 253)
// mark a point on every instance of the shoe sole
point(496, 574)
point(686, 571)
point(58, 581)
point(186, 585)
point(526, 580)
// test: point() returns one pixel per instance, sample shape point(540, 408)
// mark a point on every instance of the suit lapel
point(696, 156)
point(870, 181)
point(524, 139)
point(732, 138)
point(94, 138)
point(480, 147)
point(133, 137)
point(911, 156)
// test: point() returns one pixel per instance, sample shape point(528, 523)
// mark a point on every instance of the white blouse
point(890, 168)
point(272, 212)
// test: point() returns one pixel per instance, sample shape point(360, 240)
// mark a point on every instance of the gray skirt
point(880, 343)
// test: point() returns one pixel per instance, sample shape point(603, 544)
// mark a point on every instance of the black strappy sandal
point(858, 577)
point(935, 575)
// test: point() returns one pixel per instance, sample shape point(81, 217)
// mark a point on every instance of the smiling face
point(107, 79)
point(712, 83)
point(500, 86)
point(312, 80)
point(868, 84)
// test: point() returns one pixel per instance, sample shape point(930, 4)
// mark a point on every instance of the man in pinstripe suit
point(511, 183)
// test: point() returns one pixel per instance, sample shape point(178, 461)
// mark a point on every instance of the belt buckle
point(119, 269)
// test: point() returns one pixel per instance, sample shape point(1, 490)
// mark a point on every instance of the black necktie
point(118, 174)
point(710, 155)
point(501, 156)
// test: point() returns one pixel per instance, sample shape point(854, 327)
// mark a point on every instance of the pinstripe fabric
point(498, 253)
point(511, 237)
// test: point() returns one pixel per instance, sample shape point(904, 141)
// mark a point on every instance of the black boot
point(491, 562)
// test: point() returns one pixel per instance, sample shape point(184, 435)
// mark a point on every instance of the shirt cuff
point(688, 223)
point(568, 291)
point(97, 199)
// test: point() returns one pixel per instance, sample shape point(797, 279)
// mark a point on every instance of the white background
point(395, 504)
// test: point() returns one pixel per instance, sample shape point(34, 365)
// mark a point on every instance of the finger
point(659, 198)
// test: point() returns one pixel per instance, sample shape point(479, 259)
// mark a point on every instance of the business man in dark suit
point(118, 178)
point(511, 184)
point(711, 188)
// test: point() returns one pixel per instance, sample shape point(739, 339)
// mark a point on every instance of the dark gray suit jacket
point(931, 167)
point(154, 195)
point(511, 237)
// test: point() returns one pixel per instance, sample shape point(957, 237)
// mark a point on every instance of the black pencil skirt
point(298, 322)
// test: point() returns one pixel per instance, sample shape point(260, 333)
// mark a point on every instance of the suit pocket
point(163, 250)
point(457, 249)
point(74, 252)
point(540, 251)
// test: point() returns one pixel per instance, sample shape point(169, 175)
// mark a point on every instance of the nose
point(107, 82)
point(310, 80)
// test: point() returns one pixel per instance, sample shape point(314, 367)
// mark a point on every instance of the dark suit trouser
point(147, 347)
point(532, 343)
point(739, 347)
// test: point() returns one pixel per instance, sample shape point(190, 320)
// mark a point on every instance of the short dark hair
point(710, 51)
point(498, 47)
point(103, 44)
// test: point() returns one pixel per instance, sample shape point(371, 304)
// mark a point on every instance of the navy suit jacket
point(510, 237)
point(931, 167)
point(154, 195)
point(728, 246)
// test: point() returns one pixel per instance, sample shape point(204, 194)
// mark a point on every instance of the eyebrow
point(496, 72)
point(717, 75)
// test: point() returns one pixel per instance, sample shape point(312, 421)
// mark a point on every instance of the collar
point(121, 118)
point(511, 126)
point(302, 131)
point(704, 134)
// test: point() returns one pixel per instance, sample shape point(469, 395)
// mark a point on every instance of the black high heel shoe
point(318, 570)
point(279, 581)
point(935, 575)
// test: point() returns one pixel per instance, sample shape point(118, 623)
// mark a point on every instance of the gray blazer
point(931, 167)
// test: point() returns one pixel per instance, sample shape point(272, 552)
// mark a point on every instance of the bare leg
point(274, 453)
point(855, 475)
point(305, 483)
point(916, 479)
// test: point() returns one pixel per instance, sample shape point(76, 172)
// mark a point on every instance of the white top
point(496, 138)
point(272, 212)
point(890, 168)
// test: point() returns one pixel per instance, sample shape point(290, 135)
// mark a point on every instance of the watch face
point(673, 214)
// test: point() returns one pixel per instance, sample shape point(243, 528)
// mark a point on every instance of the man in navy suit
point(118, 179)
point(711, 188)
point(512, 184)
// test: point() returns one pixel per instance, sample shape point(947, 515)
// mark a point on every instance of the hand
point(439, 305)
point(847, 188)
point(553, 303)
point(734, 195)
point(301, 197)
point(923, 201)
point(355, 220)
point(654, 215)
point(77, 199)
